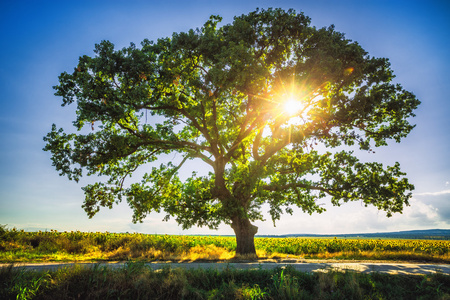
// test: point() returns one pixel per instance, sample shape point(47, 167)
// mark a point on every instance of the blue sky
point(41, 39)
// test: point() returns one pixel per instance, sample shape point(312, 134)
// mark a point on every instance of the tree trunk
point(245, 237)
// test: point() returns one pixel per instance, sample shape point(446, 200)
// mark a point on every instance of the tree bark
point(245, 237)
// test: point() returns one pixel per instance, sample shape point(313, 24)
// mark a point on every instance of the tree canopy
point(276, 107)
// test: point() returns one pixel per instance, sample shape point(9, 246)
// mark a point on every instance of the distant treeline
point(430, 234)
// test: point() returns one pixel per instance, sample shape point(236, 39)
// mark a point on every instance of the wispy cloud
point(437, 204)
point(444, 192)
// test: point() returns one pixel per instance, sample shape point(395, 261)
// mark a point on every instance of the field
point(21, 246)
point(138, 281)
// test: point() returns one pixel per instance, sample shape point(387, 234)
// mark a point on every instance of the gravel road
point(364, 267)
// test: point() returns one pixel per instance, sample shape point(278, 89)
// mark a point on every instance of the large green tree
point(273, 105)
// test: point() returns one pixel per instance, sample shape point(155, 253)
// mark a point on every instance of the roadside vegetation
point(138, 281)
point(22, 246)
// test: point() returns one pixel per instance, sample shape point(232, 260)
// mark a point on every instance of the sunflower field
point(18, 245)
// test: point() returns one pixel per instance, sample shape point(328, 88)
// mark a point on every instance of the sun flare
point(292, 106)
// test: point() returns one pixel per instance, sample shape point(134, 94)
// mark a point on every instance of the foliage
point(217, 95)
point(136, 281)
point(52, 245)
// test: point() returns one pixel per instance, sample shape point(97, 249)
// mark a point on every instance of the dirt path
point(364, 267)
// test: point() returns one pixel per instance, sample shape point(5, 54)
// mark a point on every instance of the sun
point(292, 106)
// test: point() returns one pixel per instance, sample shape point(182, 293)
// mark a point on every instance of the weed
point(286, 286)
point(253, 293)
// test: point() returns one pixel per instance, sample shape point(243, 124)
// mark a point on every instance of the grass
point(138, 281)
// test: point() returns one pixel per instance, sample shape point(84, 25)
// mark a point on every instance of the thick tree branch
point(274, 149)
point(243, 134)
point(214, 122)
point(256, 144)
